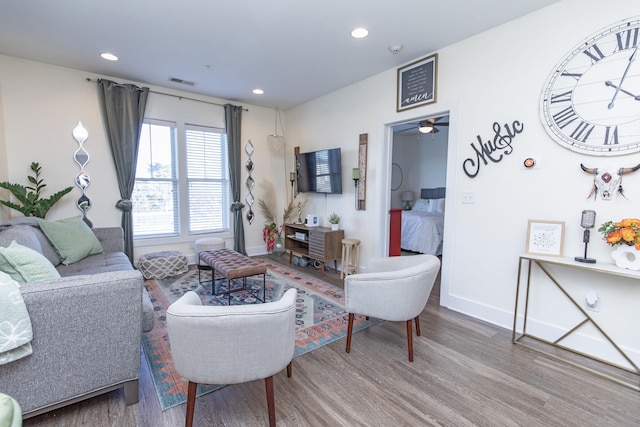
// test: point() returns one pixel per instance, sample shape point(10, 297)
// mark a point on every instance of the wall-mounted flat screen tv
point(319, 172)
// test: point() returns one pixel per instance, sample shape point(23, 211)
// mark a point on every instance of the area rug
point(321, 318)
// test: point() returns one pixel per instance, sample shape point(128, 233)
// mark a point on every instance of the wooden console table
point(319, 243)
point(543, 263)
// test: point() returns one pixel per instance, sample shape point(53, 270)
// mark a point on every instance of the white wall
point(41, 104)
point(496, 76)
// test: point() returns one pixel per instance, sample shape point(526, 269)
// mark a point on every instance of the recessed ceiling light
point(258, 91)
point(359, 33)
point(109, 56)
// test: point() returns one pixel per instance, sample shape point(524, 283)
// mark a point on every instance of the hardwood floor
point(465, 373)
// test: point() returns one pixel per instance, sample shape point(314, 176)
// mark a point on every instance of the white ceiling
point(295, 50)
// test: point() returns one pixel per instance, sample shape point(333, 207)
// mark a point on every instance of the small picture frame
point(417, 83)
point(545, 237)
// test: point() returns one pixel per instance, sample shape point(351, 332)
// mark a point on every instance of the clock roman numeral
point(611, 137)
point(582, 131)
point(627, 39)
point(561, 97)
point(594, 53)
point(574, 75)
point(565, 117)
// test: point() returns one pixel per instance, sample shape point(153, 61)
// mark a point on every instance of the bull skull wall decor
point(607, 181)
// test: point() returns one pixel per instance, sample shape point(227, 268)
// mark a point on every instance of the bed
point(423, 225)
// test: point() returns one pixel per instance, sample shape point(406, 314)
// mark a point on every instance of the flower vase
point(335, 227)
point(626, 256)
point(278, 245)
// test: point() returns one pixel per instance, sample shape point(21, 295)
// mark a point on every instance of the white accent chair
point(231, 344)
point(394, 289)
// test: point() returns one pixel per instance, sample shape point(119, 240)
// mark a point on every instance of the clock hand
point(618, 88)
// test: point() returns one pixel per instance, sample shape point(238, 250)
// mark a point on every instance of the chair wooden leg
point(271, 406)
point(191, 403)
point(417, 319)
point(349, 328)
point(410, 340)
point(289, 369)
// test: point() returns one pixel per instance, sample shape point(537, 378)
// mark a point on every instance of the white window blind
point(207, 179)
point(155, 194)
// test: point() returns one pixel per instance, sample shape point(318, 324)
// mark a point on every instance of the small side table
point(206, 244)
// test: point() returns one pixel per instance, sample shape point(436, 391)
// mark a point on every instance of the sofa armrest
point(111, 238)
point(86, 338)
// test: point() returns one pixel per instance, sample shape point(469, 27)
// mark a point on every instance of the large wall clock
point(591, 101)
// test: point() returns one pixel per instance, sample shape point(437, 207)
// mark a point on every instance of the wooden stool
point(350, 257)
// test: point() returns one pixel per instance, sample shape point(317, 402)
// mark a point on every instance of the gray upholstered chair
point(394, 288)
point(231, 344)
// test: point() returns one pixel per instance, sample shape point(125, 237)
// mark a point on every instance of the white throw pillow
point(422, 205)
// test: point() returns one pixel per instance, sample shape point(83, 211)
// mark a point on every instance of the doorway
point(420, 160)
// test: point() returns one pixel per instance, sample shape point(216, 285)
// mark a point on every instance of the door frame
point(453, 110)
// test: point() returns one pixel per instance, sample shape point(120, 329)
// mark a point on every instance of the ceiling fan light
point(425, 127)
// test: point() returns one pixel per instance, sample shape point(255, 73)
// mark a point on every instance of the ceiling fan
point(431, 125)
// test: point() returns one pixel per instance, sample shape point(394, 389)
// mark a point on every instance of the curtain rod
point(170, 94)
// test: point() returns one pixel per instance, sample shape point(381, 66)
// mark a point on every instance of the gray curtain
point(233, 121)
point(123, 108)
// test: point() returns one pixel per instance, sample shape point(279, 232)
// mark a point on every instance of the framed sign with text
point(417, 83)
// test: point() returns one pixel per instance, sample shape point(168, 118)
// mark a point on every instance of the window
point(207, 180)
point(179, 195)
point(155, 192)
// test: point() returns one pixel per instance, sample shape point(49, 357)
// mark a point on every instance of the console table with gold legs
point(525, 265)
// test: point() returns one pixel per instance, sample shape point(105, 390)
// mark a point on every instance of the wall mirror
point(396, 176)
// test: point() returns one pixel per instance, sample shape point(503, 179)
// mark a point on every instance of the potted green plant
point(334, 219)
point(31, 203)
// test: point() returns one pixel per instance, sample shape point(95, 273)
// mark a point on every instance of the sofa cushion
point(98, 263)
point(25, 265)
point(72, 238)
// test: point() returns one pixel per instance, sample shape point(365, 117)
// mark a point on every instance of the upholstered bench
point(159, 265)
point(233, 265)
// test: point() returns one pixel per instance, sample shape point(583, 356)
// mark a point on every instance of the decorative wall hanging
point(276, 142)
point(250, 182)
point(494, 149)
point(607, 181)
point(589, 101)
point(81, 157)
point(417, 83)
point(361, 185)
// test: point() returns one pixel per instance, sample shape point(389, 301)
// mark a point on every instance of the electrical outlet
point(592, 302)
point(468, 197)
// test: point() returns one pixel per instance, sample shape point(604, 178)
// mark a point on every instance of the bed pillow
point(437, 205)
point(25, 265)
point(421, 205)
point(72, 238)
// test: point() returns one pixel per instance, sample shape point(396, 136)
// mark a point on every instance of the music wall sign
point(494, 149)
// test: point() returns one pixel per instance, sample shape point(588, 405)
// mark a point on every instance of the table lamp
point(407, 198)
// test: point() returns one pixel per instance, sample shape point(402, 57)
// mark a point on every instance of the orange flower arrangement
point(624, 232)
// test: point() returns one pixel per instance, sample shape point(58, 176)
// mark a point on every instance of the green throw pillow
point(25, 265)
point(72, 238)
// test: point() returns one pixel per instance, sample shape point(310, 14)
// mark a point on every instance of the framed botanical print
point(545, 237)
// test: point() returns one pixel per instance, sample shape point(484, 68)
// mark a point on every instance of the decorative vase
point(335, 227)
point(627, 257)
point(278, 245)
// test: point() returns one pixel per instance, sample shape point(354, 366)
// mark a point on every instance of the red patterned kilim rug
point(320, 319)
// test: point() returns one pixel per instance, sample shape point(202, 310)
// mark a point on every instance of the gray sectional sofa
point(87, 324)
